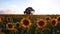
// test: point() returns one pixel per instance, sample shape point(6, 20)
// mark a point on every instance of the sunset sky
point(40, 6)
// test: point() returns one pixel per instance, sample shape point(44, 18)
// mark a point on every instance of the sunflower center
point(9, 26)
point(53, 22)
point(59, 19)
point(41, 23)
point(26, 22)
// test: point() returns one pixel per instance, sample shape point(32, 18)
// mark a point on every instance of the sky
point(40, 6)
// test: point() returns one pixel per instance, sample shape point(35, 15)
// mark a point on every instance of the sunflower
point(1, 18)
point(25, 22)
point(56, 16)
point(48, 18)
point(54, 22)
point(58, 19)
point(8, 19)
point(17, 25)
point(9, 26)
point(41, 23)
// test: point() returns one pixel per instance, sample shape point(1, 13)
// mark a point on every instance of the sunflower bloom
point(58, 19)
point(1, 18)
point(17, 25)
point(48, 18)
point(8, 19)
point(10, 26)
point(41, 23)
point(54, 22)
point(25, 22)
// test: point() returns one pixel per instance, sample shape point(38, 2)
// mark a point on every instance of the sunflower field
point(29, 24)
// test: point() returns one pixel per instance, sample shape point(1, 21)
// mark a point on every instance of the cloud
point(12, 10)
point(5, 11)
point(46, 6)
point(16, 9)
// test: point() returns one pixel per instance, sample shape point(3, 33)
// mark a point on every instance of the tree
point(29, 10)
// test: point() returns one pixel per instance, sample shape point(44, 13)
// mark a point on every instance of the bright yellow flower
point(54, 22)
point(48, 18)
point(1, 18)
point(10, 26)
point(41, 23)
point(58, 19)
point(17, 25)
point(25, 22)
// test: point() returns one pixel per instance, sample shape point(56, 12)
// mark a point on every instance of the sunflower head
point(54, 22)
point(41, 23)
point(1, 18)
point(58, 19)
point(25, 22)
point(48, 18)
point(17, 25)
point(9, 26)
point(8, 19)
